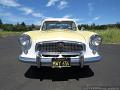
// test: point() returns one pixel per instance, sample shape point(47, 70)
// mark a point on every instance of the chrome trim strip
point(75, 61)
point(27, 60)
point(56, 41)
point(93, 59)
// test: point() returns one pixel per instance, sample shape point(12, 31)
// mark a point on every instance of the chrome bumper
point(75, 61)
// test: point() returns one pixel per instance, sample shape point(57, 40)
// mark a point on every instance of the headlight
point(25, 42)
point(95, 40)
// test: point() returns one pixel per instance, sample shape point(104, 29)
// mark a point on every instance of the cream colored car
point(59, 44)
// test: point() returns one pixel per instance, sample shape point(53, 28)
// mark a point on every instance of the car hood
point(39, 36)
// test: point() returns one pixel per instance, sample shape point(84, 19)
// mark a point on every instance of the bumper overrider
point(47, 61)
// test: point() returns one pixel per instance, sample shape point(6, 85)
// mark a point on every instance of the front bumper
point(75, 61)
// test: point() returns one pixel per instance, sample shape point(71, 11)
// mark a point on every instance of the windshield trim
point(73, 28)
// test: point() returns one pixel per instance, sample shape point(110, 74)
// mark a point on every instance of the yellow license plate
point(60, 62)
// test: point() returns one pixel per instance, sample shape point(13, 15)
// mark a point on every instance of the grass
point(110, 35)
point(9, 33)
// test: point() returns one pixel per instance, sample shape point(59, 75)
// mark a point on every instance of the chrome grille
point(61, 46)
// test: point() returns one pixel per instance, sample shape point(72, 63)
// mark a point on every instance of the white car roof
point(58, 19)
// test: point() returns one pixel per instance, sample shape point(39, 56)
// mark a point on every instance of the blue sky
point(83, 11)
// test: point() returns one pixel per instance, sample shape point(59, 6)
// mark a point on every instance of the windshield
point(68, 25)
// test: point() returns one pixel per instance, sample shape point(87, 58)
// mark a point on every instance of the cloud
point(67, 16)
point(96, 18)
point(5, 14)
point(26, 10)
point(9, 3)
point(38, 15)
point(30, 11)
point(62, 4)
point(78, 20)
point(90, 8)
point(9, 17)
point(51, 2)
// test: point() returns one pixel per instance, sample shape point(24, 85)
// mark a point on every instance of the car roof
point(58, 19)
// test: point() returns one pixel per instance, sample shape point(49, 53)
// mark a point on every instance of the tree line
point(99, 27)
point(23, 27)
point(17, 27)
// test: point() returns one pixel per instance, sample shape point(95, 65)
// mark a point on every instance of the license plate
point(60, 62)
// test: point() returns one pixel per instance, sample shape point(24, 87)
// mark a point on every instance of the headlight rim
point(92, 38)
point(28, 45)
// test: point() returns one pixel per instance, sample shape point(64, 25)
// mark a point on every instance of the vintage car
point(59, 44)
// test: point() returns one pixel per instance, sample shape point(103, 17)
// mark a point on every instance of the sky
point(82, 11)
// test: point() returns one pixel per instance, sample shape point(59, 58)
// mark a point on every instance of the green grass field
point(108, 36)
point(9, 33)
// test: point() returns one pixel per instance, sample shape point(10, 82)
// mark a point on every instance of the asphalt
point(18, 76)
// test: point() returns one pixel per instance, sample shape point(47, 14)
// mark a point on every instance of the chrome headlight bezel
point(25, 42)
point(95, 40)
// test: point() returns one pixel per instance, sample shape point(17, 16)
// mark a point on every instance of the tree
point(118, 25)
point(23, 24)
point(1, 23)
point(8, 27)
point(93, 26)
point(32, 26)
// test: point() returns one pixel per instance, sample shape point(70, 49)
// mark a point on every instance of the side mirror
point(82, 28)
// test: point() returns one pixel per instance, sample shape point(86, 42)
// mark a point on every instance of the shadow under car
point(57, 74)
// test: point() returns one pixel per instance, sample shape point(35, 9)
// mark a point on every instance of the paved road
point(17, 76)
